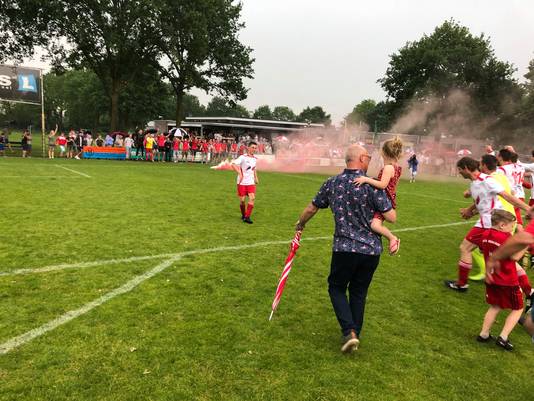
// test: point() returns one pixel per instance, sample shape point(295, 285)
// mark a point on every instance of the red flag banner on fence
point(287, 268)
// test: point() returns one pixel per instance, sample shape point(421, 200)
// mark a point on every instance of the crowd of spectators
point(149, 145)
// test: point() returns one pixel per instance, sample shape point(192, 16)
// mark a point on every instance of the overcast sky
point(330, 53)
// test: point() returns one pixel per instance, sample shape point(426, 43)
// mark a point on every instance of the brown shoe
point(350, 342)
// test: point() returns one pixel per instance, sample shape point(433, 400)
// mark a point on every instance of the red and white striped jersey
point(484, 191)
point(515, 173)
point(248, 167)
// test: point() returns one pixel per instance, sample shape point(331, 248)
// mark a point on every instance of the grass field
point(109, 269)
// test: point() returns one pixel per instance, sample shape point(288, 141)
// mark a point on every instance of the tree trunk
point(114, 106)
point(179, 109)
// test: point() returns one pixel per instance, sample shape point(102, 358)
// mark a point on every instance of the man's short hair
point(468, 163)
point(515, 157)
point(501, 216)
point(252, 143)
point(489, 161)
point(506, 155)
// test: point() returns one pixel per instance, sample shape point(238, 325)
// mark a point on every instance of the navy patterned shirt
point(353, 208)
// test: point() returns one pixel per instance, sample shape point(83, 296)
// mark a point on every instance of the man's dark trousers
point(355, 271)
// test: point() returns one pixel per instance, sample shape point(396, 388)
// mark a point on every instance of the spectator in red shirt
point(185, 149)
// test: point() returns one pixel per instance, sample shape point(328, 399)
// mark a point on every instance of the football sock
point(463, 272)
point(250, 206)
point(242, 207)
point(524, 283)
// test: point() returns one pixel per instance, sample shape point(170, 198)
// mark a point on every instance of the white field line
point(22, 339)
point(465, 202)
point(73, 314)
point(37, 176)
point(95, 263)
point(73, 171)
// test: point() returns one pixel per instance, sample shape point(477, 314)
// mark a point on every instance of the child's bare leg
point(489, 319)
point(379, 228)
point(510, 322)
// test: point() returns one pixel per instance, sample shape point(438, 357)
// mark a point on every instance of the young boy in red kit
point(502, 283)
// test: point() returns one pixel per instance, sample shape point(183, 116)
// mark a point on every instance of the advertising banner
point(20, 84)
point(95, 152)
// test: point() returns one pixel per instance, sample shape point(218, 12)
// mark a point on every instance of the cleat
point(247, 220)
point(452, 285)
point(507, 345)
point(489, 338)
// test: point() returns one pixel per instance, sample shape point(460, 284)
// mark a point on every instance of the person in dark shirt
point(356, 248)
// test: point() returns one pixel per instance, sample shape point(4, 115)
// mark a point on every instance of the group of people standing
point(162, 147)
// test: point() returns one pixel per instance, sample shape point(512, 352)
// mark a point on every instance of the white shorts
point(61, 148)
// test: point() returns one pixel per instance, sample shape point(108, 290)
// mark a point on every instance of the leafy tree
point(362, 113)
point(283, 113)
point(263, 113)
point(191, 106)
point(450, 58)
point(23, 26)
point(527, 106)
point(314, 115)
point(220, 107)
point(198, 47)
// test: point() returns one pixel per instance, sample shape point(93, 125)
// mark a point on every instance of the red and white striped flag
point(287, 268)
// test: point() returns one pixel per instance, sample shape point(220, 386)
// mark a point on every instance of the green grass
point(199, 330)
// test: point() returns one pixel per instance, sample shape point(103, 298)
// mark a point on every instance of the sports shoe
point(350, 342)
point(453, 285)
point(506, 344)
point(247, 220)
point(489, 338)
point(529, 300)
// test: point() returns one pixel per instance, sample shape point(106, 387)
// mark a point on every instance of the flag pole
point(42, 114)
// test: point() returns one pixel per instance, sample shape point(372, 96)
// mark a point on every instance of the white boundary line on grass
point(72, 171)
point(73, 314)
point(465, 202)
point(96, 263)
point(24, 338)
point(37, 176)
point(402, 193)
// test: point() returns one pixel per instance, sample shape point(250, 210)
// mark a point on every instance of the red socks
point(242, 207)
point(524, 283)
point(463, 272)
point(250, 206)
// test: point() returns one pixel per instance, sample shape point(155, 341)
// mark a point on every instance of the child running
point(387, 179)
point(502, 284)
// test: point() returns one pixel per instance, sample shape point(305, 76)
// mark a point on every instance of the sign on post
point(20, 84)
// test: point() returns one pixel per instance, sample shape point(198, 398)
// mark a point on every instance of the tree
point(527, 106)
point(191, 106)
point(113, 38)
point(199, 47)
point(283, 113)
point(220, 107)
point(23, 27)
point(314, 115)
point(263, 113)
point(451, 58)
point(362, 113)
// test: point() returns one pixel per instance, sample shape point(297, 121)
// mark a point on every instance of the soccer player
point(514, 172)
point(502, 284)
point(486, 192)
point(247, 178)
